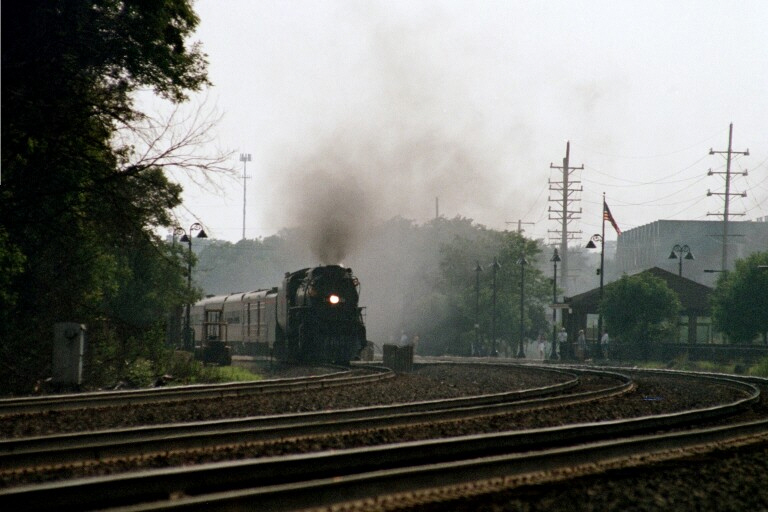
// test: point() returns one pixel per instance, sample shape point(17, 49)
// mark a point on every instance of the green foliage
point(760, 369)
point(458, 282)
point(11, 267)
point(640, 308)
point(186, 370)
point(140, 373)
point(740, 300)
point(76, 221)
point(231, 374)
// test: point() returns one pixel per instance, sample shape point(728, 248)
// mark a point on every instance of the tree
point(458, 279)
point(74, 200)
point(740, 300)
point(639, 308)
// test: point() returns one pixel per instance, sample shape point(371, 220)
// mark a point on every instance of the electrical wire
point(631, 183)
point(648, 157)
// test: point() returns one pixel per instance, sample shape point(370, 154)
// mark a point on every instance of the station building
point(694, 324)
point(650, 248)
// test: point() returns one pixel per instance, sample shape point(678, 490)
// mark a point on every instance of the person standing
point(562, 339)
point(581, 346)
point(541, 346)
point(604, 344)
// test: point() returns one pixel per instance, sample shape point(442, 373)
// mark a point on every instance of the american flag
point(607, 216)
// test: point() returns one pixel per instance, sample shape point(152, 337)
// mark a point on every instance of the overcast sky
point(395, 103)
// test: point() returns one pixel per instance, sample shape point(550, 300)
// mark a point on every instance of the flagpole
point(602, 271)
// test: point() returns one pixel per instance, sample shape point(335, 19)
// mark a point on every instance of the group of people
point(581, 348)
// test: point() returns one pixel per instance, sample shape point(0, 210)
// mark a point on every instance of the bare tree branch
point(179, 142)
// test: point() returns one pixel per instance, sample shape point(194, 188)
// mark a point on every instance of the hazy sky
point(395, 103)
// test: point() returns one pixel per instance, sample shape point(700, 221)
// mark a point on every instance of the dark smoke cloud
point(389, 144)
point(333, 213)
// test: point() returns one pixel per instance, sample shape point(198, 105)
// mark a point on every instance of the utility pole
point(244, 157)
point(563, 210)
point(727, 195)
point(520, 225)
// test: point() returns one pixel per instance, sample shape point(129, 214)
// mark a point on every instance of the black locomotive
point(313, 317)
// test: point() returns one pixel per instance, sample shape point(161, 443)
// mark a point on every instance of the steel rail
point(196, 391)
point(100, 445)
point(253, 480)
point(339, 489)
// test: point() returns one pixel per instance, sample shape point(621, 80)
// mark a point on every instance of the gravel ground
point(653, 395)
point(721, 480)
point(426, 383)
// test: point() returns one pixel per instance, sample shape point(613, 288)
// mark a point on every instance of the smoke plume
point(401, 130)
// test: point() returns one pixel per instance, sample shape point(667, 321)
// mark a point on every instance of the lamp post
point(478, 269)
point(554, 259)
point(494, 352)
point(677, 253)
point(244, 157)
point(522, 262)
point(600, 271)
point(187, 237)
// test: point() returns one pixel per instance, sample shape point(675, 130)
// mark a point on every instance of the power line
point(648, 157)
point(660, 181)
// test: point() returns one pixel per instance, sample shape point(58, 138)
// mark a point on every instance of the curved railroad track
point(86, 447)
point(47, 403)
point(311, 479)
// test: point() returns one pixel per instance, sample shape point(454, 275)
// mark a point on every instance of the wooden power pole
point(563, 211)
point(727, 194)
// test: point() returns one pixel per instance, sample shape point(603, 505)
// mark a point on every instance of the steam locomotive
point(313, 317)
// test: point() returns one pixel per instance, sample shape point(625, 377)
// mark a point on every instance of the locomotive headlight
point(334, 299)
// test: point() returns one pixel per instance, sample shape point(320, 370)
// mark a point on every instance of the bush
point(760, 369)
point(228, 374)
point(186, 370)
point(140, 373)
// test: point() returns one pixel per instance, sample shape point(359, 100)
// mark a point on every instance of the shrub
point(140, 373)
point(760, 369)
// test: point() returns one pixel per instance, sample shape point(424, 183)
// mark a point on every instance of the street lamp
point(677, 254)
point(244, 157)
point(554, 259)
point(494, 352)
point(522, 262)
point(600, 271)
point(478, 269)
point(187, 237)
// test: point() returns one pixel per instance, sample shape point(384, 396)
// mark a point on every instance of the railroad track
point(287, 483)
point(93, 446)
point(193, 392)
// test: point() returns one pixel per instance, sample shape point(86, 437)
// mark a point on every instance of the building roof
point(693, 296)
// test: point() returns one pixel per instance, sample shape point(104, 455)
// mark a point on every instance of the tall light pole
point(244, 157)
point(677, 253)
point(522, 262)
point(600, 271)
point(554, 259)
point(494, 352)
point(478, 269)
point(187, 237)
